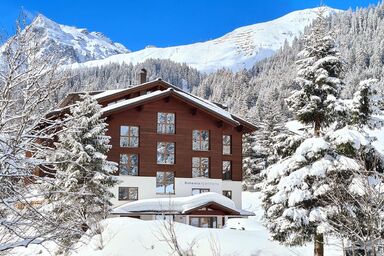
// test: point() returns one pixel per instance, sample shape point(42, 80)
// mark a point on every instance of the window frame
point(201, 167)
point(129, 199)
point(224, 192)
point(226, 145)
point(200, 189)
point(129, 164)
point(164, 125)
point(129, 136)
point(200, 140)
point(224, 176)
point(165, 184)
point(165, 153)
point(212, 221)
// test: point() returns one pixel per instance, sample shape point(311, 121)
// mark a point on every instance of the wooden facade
point(189, 116)
point(186, 121)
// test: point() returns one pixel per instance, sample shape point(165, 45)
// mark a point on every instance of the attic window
point(165, 123)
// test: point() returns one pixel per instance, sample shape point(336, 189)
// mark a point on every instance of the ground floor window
point(203, 222)
point(227, 193)
point(128, 193)
point(164, 217)
point(196, 191)
point(165, 183)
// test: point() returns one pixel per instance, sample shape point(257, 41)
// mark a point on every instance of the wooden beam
point(240, 128)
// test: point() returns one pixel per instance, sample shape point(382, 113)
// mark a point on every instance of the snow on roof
point(107, 93)
point(133, 100)
point(203, 103)
point(208, 105)
point(177, 204)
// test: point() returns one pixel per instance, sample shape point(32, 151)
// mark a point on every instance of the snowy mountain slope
point(72, 45)
point(238, 49)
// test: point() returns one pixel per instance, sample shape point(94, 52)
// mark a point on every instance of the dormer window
point(165, 123)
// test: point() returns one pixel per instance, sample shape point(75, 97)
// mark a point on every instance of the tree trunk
point(319, 245)
point(317, 127)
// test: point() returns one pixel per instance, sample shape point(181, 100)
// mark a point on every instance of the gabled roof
point(181, 205)
point(159, 89)
point(208, 107)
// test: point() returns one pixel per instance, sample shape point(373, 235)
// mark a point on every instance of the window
point(200, 140)
point(129, 164)
point(203, 222)
point(129, 136)
point(165, 123)
point(227, 170)
point(165, 153)
point(164, 217)
point(227, 141)
point(227, 193)
point(128, 193)
point(196, 191)
point(165, 183)
point(200, 167)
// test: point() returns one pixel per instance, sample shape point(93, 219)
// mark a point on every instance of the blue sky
point(163, 22)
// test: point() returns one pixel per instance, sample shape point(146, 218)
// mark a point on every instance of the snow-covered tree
point(357, 214)
point(259, 146)
point(28, 82)
point(318, 77)
point(80, 195)
point(294, 188)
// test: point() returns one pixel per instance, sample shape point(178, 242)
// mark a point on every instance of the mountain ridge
point(71, 44)
point(236, 50)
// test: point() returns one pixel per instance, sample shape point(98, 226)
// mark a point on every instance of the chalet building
point(171, 144)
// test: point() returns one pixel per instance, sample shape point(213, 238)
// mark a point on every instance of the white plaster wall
point(183, 187)
point(236, 188)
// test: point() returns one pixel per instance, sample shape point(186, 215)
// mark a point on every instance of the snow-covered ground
point(239, 49)
point(128, 236)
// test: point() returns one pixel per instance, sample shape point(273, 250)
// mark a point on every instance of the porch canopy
point(201, 204)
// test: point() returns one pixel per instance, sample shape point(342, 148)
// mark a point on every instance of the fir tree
point(294, 188)
point(80, 195)
point(318, 78)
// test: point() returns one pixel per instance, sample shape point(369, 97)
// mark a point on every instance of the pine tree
point(259, 153)
point(318, 78)
point(357, 214)
point(294, 187)
point(361, 109)
point(80, 195)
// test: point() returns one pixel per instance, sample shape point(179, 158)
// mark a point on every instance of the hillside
point(239, 49)
point(70, 44)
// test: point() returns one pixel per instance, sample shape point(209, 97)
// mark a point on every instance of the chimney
point(142, 76)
